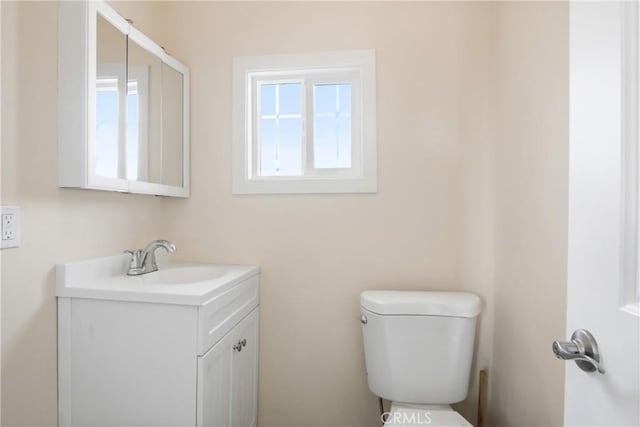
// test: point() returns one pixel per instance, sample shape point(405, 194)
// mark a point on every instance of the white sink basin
point(188, 284)
point(182, 274)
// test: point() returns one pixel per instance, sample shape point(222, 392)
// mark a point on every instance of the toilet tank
point(418, 345)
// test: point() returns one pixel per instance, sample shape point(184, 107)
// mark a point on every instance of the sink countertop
point(173, 283)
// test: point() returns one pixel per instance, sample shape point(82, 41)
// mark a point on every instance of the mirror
point(123, 106)
point(172, 125)
point(139, 128)
point(144, 115)
point(111, 69)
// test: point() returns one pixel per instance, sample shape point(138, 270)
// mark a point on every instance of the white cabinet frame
point(77, 103)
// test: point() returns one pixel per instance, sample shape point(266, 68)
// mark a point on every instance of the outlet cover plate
point(10, 222)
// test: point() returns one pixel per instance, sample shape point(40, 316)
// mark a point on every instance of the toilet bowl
point(418, 349)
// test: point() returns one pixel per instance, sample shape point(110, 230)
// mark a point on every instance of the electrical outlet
point(10, 221)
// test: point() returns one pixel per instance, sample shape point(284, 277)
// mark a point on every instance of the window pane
point(280, 138)
point(267, 99)
point(290, 147)
point(280, 147)
point(332, 143)
point(344, 94)
point(332, 126)
point(325, 98)
point(343, 157)
point(268, 156)
point(290, 98)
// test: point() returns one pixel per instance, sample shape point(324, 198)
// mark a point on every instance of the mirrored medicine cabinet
point(123, 106)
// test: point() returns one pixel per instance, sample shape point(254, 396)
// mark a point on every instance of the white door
point(602, 293)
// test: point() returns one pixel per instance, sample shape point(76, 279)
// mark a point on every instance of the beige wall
point(531, 169)
point(58, 225)
point(318, 252)
point(477, 130)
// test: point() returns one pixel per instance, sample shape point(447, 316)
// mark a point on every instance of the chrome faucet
point(143, 261)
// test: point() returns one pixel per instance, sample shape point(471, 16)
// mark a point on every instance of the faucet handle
point(144, 260)
point(137, 258)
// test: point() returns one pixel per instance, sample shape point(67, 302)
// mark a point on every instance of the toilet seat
point(411, 415)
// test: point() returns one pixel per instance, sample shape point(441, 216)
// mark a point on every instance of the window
point(305, 123)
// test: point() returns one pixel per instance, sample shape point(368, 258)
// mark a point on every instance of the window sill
point(295, 185)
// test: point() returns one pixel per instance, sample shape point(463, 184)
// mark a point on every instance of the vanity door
point(214, 384)
point(228, 378)
point(244, 400)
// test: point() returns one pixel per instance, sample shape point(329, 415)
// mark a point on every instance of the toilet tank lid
point(421, 303)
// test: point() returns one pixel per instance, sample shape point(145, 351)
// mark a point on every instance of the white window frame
point(356, 68)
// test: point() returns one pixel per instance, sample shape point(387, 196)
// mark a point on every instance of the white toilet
point(418, 348)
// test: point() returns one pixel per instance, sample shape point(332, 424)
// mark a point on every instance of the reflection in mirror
point(137, 122)
point(110, 80)
point(139, 112)
point(144, 134)
point(172, 126)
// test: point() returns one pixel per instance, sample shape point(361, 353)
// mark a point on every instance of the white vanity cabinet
point(174, 348)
